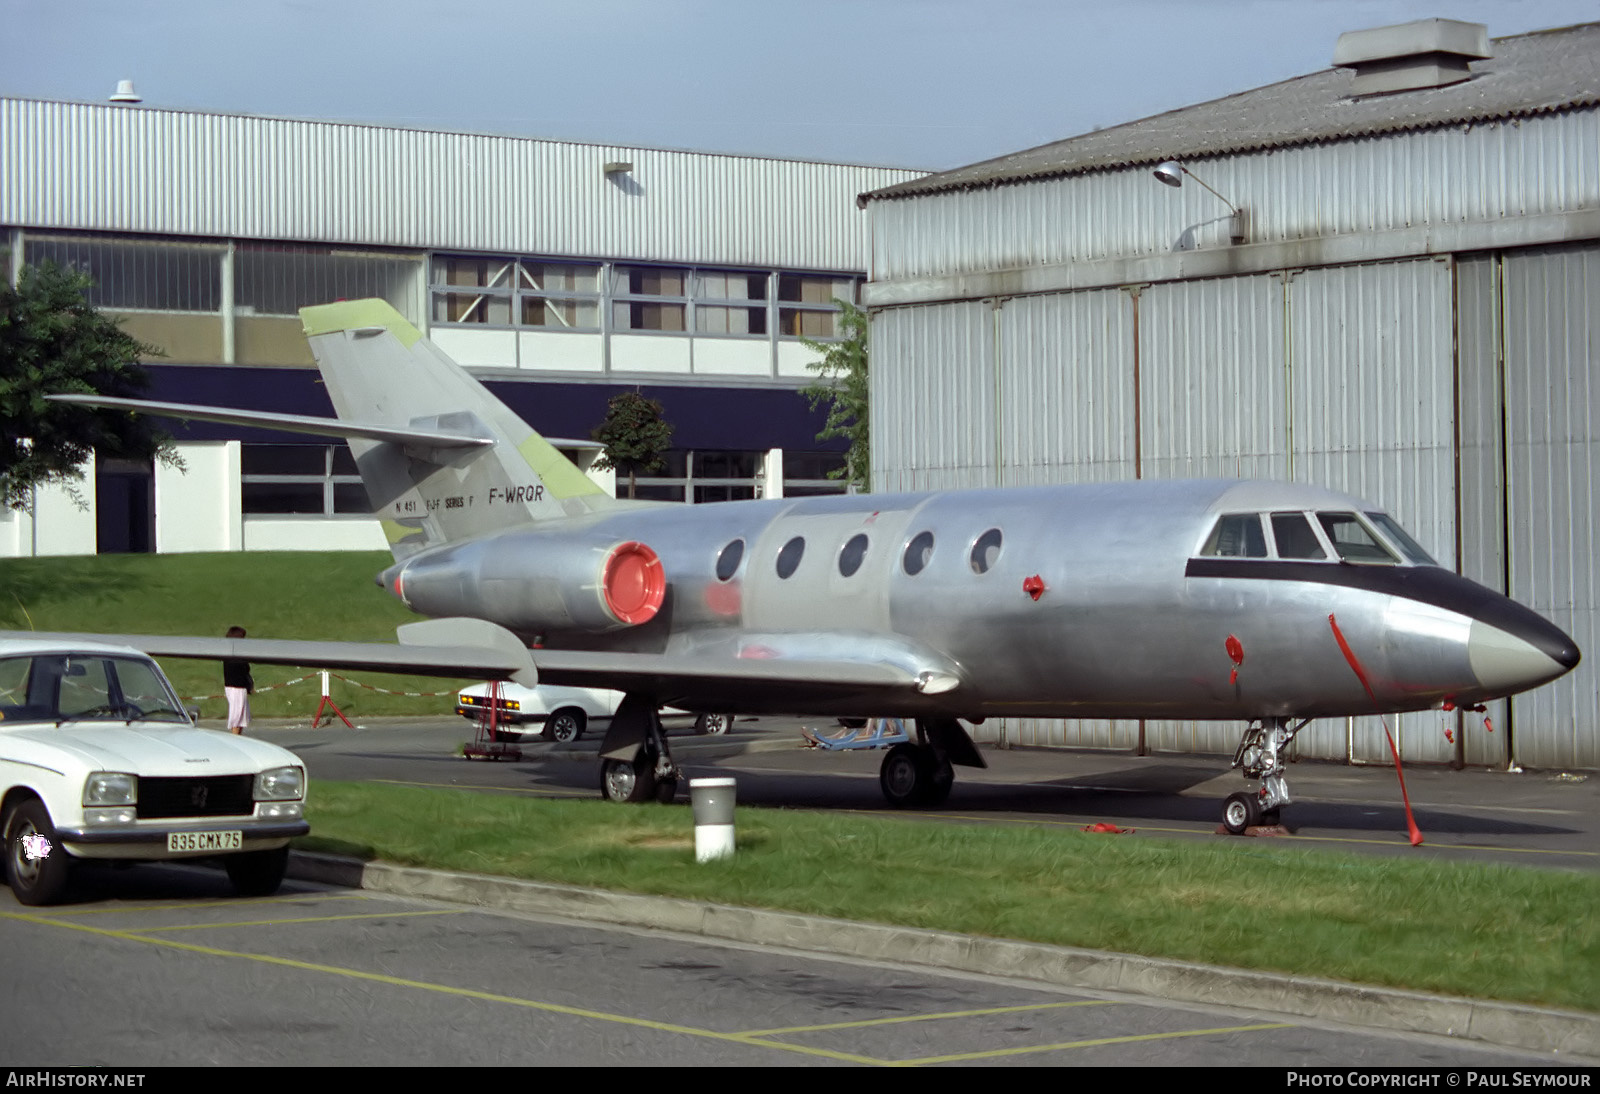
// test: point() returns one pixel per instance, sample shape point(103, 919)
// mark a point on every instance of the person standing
point(237, 686)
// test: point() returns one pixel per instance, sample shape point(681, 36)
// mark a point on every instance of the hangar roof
point(1540, 72)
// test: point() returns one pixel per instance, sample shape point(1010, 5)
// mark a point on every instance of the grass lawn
point(1493, 932)
point(321, 595)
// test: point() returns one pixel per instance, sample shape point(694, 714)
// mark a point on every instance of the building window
point(730, 302)
point(141, 275)
point(301, 479)
point(805, 304)
point(559, 295)
point(556, 295)
point(649, 298)
point(281, 278)
point(807, 474)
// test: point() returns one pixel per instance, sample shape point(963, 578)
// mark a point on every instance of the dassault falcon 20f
point(1129, 600)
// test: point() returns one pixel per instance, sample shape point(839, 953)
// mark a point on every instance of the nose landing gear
point(1260, 756)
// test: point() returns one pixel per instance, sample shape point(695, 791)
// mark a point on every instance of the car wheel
point(713, 725)
point(36, 879)
point(257, 873)
point(628, 780)
point(565, 725)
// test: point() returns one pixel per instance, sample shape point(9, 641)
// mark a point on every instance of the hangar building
point(559, 272)
point(1393, 291)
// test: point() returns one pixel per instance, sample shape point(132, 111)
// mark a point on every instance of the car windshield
point(85, 687)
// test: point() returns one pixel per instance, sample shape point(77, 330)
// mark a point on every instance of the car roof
point(12, 647)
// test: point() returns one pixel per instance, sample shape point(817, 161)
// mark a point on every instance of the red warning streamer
point(1361, 674)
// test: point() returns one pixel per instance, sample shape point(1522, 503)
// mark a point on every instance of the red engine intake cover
point(633, 582)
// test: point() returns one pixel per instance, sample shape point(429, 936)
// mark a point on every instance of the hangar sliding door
point(1552, 430)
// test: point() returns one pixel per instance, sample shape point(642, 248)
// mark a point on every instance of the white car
point(98, 760)
point(565, 713)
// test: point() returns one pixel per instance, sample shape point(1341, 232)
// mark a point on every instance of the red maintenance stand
point(486, 743)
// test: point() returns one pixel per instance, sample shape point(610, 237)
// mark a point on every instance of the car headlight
point(111, 788)
point(280, 784)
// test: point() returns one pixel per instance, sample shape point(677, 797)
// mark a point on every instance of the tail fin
point(379, 370)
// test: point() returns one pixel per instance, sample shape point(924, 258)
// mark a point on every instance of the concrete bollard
point(712, 801)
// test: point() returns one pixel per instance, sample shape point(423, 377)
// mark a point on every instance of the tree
point(843, 384)
point(635, 435)
point(53, 342)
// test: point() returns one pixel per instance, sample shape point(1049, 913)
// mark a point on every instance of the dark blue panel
point(701, 417)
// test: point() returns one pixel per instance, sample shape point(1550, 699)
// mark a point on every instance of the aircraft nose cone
point(1507, 660)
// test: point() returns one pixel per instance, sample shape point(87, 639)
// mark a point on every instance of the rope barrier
point(346, 679)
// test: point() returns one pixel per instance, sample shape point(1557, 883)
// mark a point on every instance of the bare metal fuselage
point(1130, 619)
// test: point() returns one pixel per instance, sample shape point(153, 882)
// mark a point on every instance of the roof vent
point(125, 93)
point(1427, 53)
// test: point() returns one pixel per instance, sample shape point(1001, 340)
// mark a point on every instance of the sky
point(927, 84)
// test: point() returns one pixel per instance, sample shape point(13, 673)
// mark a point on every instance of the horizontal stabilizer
point(290, 423)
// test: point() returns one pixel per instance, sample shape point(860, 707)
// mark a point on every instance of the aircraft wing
point(466, 662)
point(473, 649)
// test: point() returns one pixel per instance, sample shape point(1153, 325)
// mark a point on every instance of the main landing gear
point(1260, 756)
point(921, 774)
point(635, 763)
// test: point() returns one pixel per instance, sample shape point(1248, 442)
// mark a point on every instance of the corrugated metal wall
point(1461, 175)
point(1343, 376)
point(107, 168)
point(1551, 317)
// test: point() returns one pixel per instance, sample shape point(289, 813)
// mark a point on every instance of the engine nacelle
point(535, 583)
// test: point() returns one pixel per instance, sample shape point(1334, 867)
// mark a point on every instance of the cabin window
point(1398, 536)
point(852, 554)
point(789, 557)
point(986, 551)
point(918, 553)
point(728, 560)
point(1295, 536)
point(1352, 540)
point(1237, 535)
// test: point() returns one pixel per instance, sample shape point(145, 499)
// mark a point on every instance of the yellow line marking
point(189, 905)
point(445, 989)
point(297, 919)
point(956, 1057)
point(928, 1017)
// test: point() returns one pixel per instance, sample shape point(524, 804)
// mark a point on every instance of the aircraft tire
point(257, 873)
point(904, 776)
point(34, 881)
point(1241, 811)
point(628, 780)
point(666, 790)
point(941, 777)
point(565, 725)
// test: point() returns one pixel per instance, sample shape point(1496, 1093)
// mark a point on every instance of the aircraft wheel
point(565, 725)
point(1241, 811)
point(34, 881)
point(940, 779)
point(1269, 817)
point(628, 780)
point(666, 790)
point(904, 776)
point(257, 873)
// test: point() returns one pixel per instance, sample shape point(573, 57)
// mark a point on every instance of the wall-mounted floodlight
point(1171, 172)
point(617, 167)
point(125, 93)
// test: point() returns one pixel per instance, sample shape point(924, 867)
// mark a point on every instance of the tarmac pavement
point(1540, 818)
